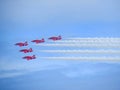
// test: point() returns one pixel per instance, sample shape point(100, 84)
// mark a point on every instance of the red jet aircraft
point(38, 41)
point(26, 50)
point(22, 44)
point(29, 57)
point(55, 38)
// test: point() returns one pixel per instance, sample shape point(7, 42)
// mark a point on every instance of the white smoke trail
point(84, 51)
point(91, 40)
point(103, 43)
point(84, 58)
point(95, 38)
point(106, 45)
point(87, 42)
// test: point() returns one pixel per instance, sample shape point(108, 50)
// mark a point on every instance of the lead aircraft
point(54, 38)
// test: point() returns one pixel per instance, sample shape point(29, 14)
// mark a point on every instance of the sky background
point(25, 20)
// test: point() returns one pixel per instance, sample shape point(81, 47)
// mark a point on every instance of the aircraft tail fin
point(30, 50)
point(34, 56)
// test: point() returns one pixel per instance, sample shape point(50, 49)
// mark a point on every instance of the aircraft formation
point(22, 44)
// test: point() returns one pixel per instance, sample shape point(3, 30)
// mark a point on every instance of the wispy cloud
point(8, 74)
point(14, 69)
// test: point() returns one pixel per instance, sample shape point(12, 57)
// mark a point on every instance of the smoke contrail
point(104, 43)
point(85, 58)
point(96, 38)
point(91, 40)
point(87, 42)
point(84, 51)
point(112, 45)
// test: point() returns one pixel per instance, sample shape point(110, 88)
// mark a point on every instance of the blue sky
point(25, 20)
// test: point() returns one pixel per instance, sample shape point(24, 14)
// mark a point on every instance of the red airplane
point(55, 38)
point(26, 50)
point(29, 57)
point(22, 44)
point(38, 41)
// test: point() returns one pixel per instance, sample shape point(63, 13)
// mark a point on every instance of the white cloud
point(20, 68)
point(13, 74)
point(88, 69)
point(79, 70)
point(71, 74)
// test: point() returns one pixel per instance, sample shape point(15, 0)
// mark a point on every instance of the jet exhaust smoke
point(84, 51)
point(84, 58)
point(84, 45)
